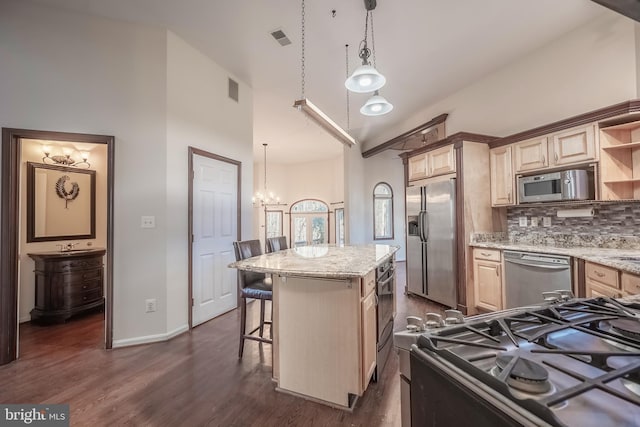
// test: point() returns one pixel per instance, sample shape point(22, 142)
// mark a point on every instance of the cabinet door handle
point(544, 160)
point(509, 197)
point(484, 254)
point(555, 155)
point(597, 273)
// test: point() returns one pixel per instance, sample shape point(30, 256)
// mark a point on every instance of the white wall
point(63, 71)
point(355, 197)
point(386, 167)
point(589, 68)
point(201, 115)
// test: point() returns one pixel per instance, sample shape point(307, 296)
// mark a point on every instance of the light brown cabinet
point(630, 283)
point(487, 279)
point(369, 337)
point(602, 281)
point(418, 167)
point(620, 161)
point(576, 145)
point(440, 161)
point(502, 179)
point(531, 155)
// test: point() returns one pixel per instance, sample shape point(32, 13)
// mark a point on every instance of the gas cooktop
point(568, 362)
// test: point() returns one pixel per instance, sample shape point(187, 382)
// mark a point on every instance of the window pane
point(340, 226)
point(274, 224)
point(300, 231)
point(319, 228)
point(383, 220)
point(309, 206)
point(382, 190)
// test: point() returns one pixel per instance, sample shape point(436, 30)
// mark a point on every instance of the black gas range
point(571, 363)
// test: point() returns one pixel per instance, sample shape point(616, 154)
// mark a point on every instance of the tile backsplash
point(613, 225)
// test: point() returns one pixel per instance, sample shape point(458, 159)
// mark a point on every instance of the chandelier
point(65, 158)
point(265, 197)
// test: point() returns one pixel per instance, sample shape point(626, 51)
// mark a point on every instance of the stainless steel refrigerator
point(431, 241)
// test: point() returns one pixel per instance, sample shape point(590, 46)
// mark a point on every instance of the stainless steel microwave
point(575, 184)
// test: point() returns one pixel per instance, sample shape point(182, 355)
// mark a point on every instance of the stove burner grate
point(524, 375)
point(630, 328)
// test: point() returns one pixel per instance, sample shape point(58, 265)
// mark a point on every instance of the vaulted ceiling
point(427, 49)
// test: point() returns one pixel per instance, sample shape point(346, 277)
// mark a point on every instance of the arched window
point(382, 211)
point(309, 222)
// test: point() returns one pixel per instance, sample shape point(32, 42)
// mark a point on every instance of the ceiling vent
point(280, 37)
point(233, 89)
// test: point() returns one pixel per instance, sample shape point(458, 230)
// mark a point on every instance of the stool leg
point(243, 324)
point(261, 317)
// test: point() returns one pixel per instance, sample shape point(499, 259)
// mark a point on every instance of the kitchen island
point(324, 318)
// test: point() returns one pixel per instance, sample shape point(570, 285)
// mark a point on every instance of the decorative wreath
point(63, 193)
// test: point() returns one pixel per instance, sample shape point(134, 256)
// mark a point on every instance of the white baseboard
point(150, 338)
point(24, 319)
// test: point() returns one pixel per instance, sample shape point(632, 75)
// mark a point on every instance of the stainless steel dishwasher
point(528, 275)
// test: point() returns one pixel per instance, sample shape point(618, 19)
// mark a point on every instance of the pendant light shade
point(365, 79)
point(376, 106)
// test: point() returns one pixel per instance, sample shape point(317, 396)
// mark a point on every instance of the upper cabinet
point(418, 167)
point(531, 154)
point(502, 180)
point(577, 145)
point(440, 161)
point(620, 161)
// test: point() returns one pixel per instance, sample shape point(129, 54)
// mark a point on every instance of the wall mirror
point(61, 203)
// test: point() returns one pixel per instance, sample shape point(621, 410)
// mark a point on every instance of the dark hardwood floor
point(195, 379)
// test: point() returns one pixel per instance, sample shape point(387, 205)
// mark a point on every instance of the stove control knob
point(434, 320)
point(414, 324)
point(453, 317)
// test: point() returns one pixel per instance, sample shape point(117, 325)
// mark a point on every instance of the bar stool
point(252, 285)
point(276, 244)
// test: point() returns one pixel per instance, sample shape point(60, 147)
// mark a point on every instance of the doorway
point(214, 224)
point(309, 222)
point(12, 167)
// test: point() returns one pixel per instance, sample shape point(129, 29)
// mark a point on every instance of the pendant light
point(376, 106)
point(366, 78)
point(314, 112)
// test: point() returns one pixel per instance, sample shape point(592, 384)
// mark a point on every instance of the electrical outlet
point(523, 221)
point(148, 222)
point(534, 221)
point(150, 305)
point(546, 221)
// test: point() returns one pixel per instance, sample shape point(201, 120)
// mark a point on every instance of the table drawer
point(630, 283)
point(596, 290)
point(486, 254)
point(87, 297)
point(604, 275)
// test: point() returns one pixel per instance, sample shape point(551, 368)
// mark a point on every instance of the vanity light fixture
point(315, 113)
point(65, 158)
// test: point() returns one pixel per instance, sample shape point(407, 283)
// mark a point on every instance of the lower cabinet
point(602, 281)
point(487, 279)
point(369, 337)
point(67, 283)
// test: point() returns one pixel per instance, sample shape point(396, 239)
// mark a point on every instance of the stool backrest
point(246, 249)
point(276, 244)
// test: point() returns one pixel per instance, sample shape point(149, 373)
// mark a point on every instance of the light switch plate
point(534, 221)
point(523, 221)
point(148, 222)
point(546, 221)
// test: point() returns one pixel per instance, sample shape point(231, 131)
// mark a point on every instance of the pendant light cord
point(373, 40)
point(346, 50)
point(265, 170)
point(302, 53)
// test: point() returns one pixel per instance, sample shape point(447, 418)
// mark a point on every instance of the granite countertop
point(610, 257)
point(327, 261)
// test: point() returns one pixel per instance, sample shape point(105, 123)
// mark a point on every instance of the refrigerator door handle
point(421, 226)
point(424, 225)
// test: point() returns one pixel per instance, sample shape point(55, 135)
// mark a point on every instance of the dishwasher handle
point(545, 266)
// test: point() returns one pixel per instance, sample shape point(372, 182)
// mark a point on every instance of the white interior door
point(215, 228)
